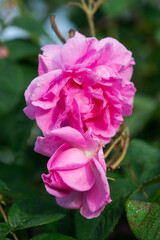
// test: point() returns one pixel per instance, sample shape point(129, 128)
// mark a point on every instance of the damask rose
point(85, 83)
point(77, 170)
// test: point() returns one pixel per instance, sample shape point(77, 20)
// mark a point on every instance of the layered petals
point(77, 174)
point(83, 84)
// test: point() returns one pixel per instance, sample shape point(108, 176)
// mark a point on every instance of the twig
point(109, 162)
point(71, 33)
point(76, 4)
point(133, 175)
point(112, 146)
point(3, 214)
point(6, 220)
point(55, 28)
point(97, 5)
point(124, 151)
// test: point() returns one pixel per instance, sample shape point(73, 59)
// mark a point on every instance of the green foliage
point(29, 24)
point(25, 48)
point(10, 77)
point(144, 219)
point(3, 187)
point(4, 230)
point(54, 236)
point(116, 7)
point(155, 197)
point(99, 228)
point(144, 160)
point(143, 110)
point(33, 212)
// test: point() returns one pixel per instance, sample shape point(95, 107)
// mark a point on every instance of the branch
point(55, 28)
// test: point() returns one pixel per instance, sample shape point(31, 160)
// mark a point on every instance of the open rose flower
point(83, 84)
point(77, 170)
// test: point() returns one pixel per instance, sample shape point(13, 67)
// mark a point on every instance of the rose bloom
point(83, 84)
point(77, 170)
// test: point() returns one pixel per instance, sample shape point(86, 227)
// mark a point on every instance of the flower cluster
point(78, 100)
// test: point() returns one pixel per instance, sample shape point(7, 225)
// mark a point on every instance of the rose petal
point(81, 179)
point(73, 201)
point(100, 189)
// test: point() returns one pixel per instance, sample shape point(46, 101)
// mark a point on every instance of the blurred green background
point(24, 29)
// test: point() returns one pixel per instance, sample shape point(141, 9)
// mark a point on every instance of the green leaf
point(4, 229)
point(116, 7)
point(3, 238)
point(144, 160)
point(3, 186)
point(30, 24)
point(10, 85)
point(52, 236)
point(33, 212)
point(144, 219)
point(143, 109)
point(155, 197)
point(99, 228)
point(19, 48)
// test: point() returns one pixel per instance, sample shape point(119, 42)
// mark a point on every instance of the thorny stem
point(6, 220)
point(55, 28)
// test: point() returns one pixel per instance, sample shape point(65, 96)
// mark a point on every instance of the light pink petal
point(101, 158)
point(70, 159)
point(47, 145)
point(59, 151)
point(40, 85)
point(126, 74)
point(91, 144)
point(77, 50)
point(100, 189)
point(85, 212)
point(47, 102)
point(112, 52)
point(128, 93)
point(73, 201)
point(81, 179)
point(51, 119)
point(51, 189)
point(50, 60)
point(30, 111)
point(70, 135)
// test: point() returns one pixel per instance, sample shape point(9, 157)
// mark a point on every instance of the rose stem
point(55, 28)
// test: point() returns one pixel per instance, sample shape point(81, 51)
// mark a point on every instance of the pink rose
point(77, 171)
point(83, 84)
